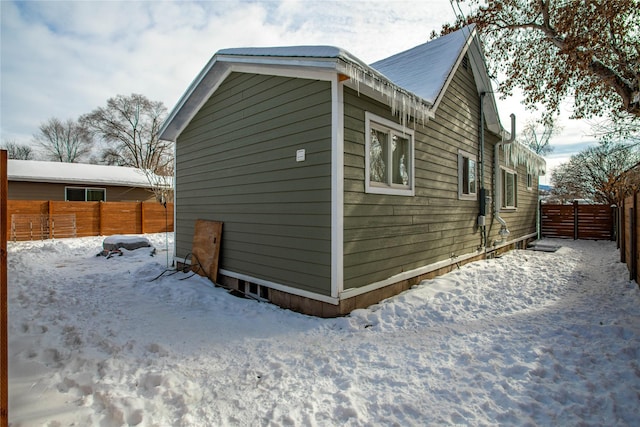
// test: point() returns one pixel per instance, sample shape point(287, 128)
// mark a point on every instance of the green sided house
point(340, 183)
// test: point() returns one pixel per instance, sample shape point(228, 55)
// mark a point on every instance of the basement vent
point(253, 290)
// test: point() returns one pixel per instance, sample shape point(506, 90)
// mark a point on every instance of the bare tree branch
point(130, 125)
point(67, 141)
point(18, 151)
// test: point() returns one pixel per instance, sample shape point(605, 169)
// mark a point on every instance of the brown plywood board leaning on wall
point(205, 251)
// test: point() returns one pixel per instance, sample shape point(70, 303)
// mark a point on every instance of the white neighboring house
point(42, 180)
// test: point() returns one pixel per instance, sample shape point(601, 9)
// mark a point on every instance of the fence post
point(614, 223)
point(49, 219)
point(4, 352)
point(575, 220)
point(622, 227)
point(539, 230)
point(632, 235)
point(100, 215)
point(142, 217)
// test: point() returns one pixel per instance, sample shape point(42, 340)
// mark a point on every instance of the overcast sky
point(64, 58)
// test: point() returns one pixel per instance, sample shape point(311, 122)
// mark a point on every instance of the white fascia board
point(285, 71)
point(80, 181)
point(319, 63)
point(447, 82)
point(483, 84)
point(198, 93)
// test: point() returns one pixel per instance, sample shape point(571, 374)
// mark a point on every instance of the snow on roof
point(425, 69)
point(289, 51)
point(75, 173)
point(412, 82)
point(317, 58)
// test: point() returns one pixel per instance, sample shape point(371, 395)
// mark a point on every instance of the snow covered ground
point(531, 338)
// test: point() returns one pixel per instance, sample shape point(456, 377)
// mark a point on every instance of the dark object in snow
point(112, 245)
point(130, 243)
point(109, 253)
point(542, 246)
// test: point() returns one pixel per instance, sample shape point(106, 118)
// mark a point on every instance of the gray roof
point(424, 69)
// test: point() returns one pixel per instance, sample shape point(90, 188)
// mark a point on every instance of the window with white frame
point(529, 181)
point(83, 194)
point(467, 176)
point(389, 156)
point(509, 189)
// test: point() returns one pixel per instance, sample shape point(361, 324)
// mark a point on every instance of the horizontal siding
point(523, 220)
point(236, 164)
point(385, 235)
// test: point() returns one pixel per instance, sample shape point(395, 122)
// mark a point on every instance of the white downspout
point(504, 231)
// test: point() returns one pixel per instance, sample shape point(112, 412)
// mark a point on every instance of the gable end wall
point(236, 163)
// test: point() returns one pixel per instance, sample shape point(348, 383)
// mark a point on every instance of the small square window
point(95, 195)
point(74, 194)
point(389, 157)
point(467, 176)
point(529, 181)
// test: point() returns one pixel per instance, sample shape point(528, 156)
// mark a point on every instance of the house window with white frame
point(389, 156)
point(529, 181)
point(509, 189)
point(467, 176)
point(83, 194)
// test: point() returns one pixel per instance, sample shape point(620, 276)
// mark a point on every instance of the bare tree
point(603, 173)
point(161, 183)
point(537, 136)
point(587, 51)
point(129, 125)
point(67, 141)
point(621, 126)
point(18, 151)
point(566, 184)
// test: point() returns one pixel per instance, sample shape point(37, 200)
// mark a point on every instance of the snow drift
point(531, 338)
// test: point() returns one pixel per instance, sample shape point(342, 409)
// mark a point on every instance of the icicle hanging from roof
point(518, 154)
point(402, 103)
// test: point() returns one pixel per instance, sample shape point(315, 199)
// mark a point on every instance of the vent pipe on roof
point(504, 231)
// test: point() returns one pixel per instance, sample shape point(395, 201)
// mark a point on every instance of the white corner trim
point(337, 187)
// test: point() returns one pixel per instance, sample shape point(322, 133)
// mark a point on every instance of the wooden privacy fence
point(590, 222)
point(38, 227)
point(629, 226)
point(34, 220)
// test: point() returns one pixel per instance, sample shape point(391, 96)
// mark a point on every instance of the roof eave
point(76, 181)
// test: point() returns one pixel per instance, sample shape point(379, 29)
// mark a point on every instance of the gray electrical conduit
point(504, 231)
